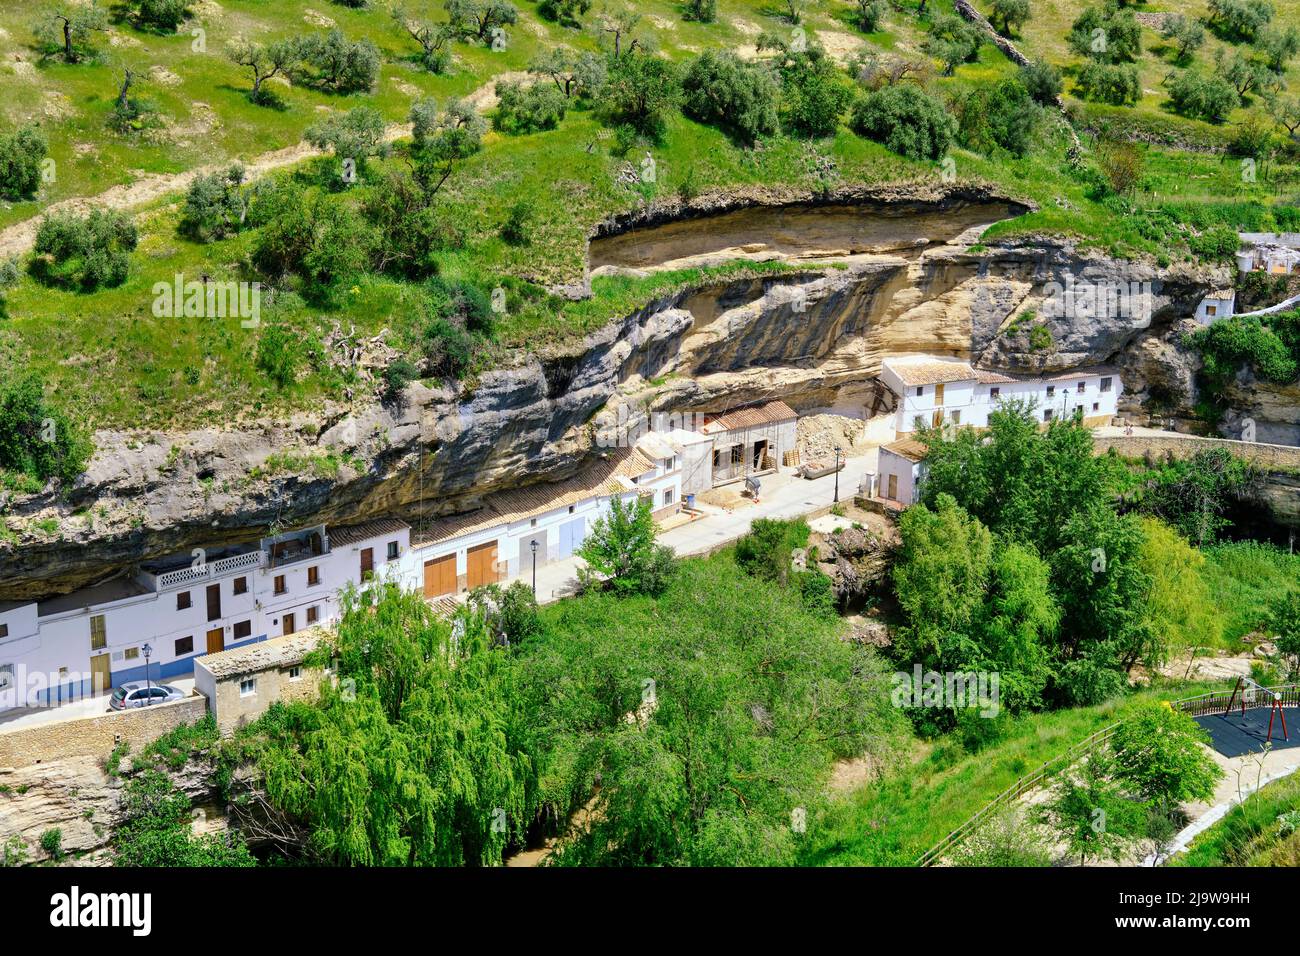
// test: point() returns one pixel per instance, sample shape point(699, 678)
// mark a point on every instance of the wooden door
point(892, 493)
point(100, 678)
point(938, 394)
point(216, 640)
point(482, 564)
point(214, 602)
point(440, 576)
point(289, 626)
point(367, 563)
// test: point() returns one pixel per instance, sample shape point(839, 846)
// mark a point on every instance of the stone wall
point(1272, 457)
point(97, 736)
point(271, 685)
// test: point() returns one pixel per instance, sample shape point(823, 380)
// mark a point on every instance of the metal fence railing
point(1197, 706)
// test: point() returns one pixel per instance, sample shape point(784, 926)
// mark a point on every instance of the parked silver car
point(138, 693)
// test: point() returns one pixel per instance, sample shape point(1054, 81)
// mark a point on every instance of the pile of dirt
point(817, 436)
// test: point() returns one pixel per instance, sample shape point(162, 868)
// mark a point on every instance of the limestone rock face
point(814, 338)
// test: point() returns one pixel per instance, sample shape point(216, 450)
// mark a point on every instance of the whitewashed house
point(1217, 304)
point(750, 441)
point(900, 471)
point(948, 392)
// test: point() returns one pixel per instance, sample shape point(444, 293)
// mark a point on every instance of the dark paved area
point(1238, 733)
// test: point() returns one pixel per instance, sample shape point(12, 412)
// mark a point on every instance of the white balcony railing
point(210, 570)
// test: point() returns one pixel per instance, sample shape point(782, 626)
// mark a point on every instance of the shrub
point(702, 11)
point(1001, 115)
point(1158, 754)
point(21, 155)
point(279, 354)
point(37, 439)
point(639, 93)
point(1106, 34)
point(52, 843)
point(162, 14)
point(813, 99)
point(447, 349)
point(1116, 84)
point(214, 206)
point(517, 229)
point(354, 137)
point(1209, 98)
point(528, 109)
point(567, 12)
point(621, 552)
point(869, 14)
point(740, 98)
point(905, 119)
point(84, 252)
point(399, 373)
point(1042, 81)
point(767, 550)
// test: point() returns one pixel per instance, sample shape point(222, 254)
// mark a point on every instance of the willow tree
point(416, 755)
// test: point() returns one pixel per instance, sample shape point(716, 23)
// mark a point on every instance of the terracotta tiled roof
point(365, 531)
point(930, 371)
point(750, 416)
point(454, 526)
point(909, 448)
point(264, 655)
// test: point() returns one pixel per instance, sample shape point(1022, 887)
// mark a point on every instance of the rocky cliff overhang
point(814, 338)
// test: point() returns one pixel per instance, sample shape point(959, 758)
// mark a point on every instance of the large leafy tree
point(621, 552)
point(419, 754)
point(1089, 814)
point(1158, 753)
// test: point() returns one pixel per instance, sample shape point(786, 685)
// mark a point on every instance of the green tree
point(953, 41)
point(22, 153)
point(1001, 115)
point(420, 755)
point(84, 252)
point(155, 829)
point(1042, 81)
point(566, 12)
point(265, 61)
point(940, 577)
point(1014, 631)
point(162, 15)
point(435, 39)
point(67, 28)
point(1089, 814)
point(1113, 83)
point(905, 119)
point(1158, 752)
point(1186, 34)
point(621, 553)
point(1193, 494)
point(476, 19)
point(1209, 98)
point(813, 91)
point(336, 64)
point(724, 91)
point(1106, 34)
point(214, 206)
point(580, 75)
point(1278, 46)
point(1239, 20)
point(1011, 14)
point(1284, 619)
point(529, 109)
point(37, 439)
point(639, 92)
point(869, 15)
point(354, 138)
point(701, 11)
point(1178, 604)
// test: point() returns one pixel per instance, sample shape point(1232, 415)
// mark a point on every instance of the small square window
point(313, 575)
point(956, 417)
point(313, 615)
point(1048, 414)
point(241, 585)
point(393, 550)
point(184, 645)
point(994, 392)
point(920, 390)
point(132, 653)
point(1211, 310)
point(248, 687)
point(295, 673)
point(182, 600)
point(243, 629)
point(1083, 387)
point(532, 523)
point(4, 630)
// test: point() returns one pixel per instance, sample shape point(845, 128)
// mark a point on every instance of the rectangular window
point(280, 587)
point(4, 630)
point(1096, 406)
point(243, 629)
point(241, 585)
point(182, 600)
point(571, 507)
point(132, 654)
point(393, 550)
point(1048, 414)
point(1051, 390)
point(1083, 387)
point(248, 687)
point(994, 393)
point(920, 390)
point(313, 615)
point(956, 417)
point(313, 575)
point(938, 394)
point(6, 675)
point(668, 496)
point(295, 673)
point(1105, 384)
point(98, 635)
point(184, 645)
point(367, 563)
point(1211, 309)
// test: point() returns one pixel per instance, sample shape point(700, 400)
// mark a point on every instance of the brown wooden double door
point(440, 576)
point(481, 565)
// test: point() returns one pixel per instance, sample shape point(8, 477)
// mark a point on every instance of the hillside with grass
point(143, 99)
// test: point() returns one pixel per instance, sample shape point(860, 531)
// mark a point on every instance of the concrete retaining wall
point(97, 736)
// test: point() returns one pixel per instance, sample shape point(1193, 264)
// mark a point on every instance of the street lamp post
point(533, 544)
point(837, 472)
point(148, 686)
